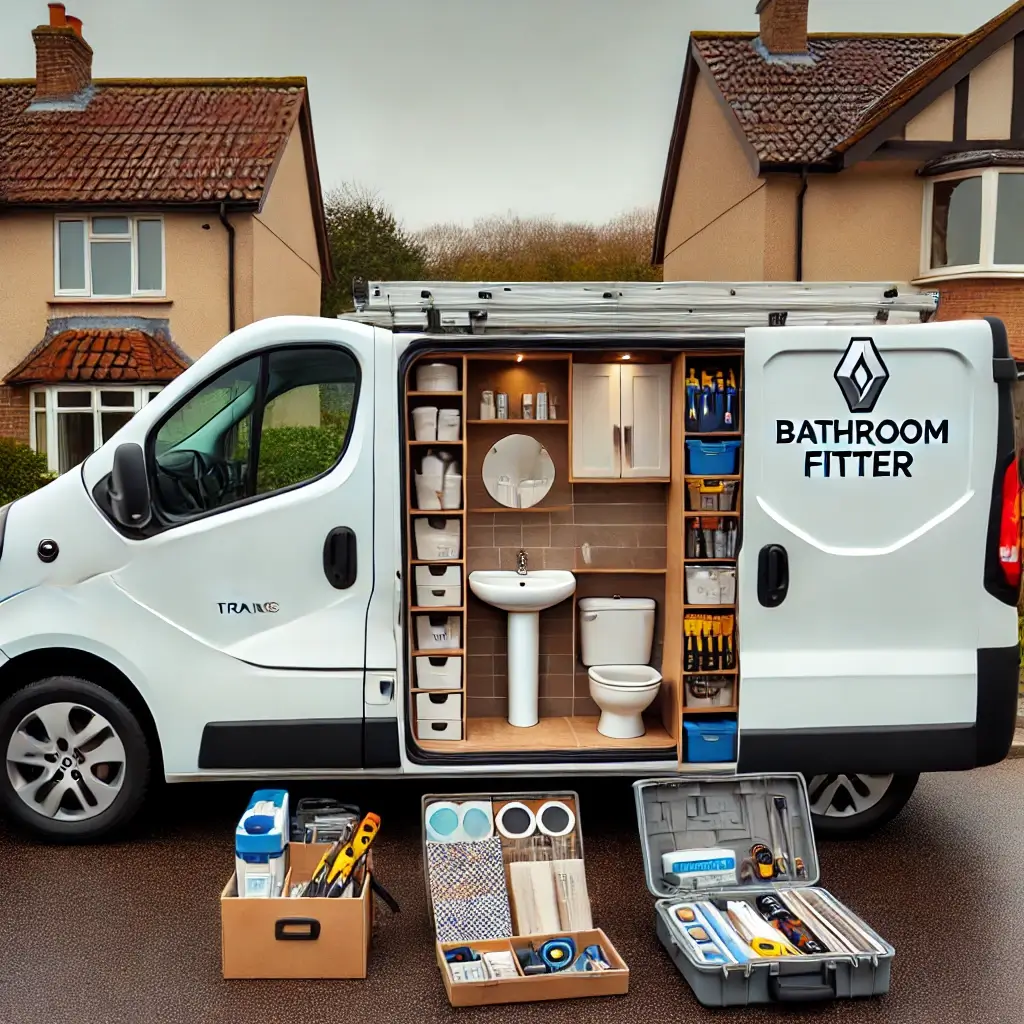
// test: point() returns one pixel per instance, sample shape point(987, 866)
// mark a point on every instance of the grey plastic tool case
point(673, 815)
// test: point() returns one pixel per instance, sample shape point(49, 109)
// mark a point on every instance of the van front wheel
point(849, 806)
point(76, 760)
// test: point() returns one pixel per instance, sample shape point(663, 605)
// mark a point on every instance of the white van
point(525, 530)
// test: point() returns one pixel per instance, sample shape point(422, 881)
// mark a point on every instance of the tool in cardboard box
point(351, 854)
point(558, 954)
point(592, 959)
point(461, 954)
point(323, 820)
point(530, 961)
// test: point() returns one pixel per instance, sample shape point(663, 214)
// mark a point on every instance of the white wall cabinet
point(621, 421)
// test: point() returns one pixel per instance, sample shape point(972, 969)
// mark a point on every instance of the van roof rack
point(671, 308)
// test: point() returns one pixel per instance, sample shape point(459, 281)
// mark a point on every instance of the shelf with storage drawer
point(435, 596)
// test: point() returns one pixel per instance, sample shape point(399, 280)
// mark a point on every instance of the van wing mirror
point(129, 486)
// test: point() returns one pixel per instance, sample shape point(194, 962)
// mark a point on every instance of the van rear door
point(877, 632)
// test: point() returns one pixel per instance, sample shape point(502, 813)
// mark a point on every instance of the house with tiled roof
point(851, 157)
point(140, 221)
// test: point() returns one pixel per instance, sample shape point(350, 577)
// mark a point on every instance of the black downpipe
point(230, 228)
point(800, 224)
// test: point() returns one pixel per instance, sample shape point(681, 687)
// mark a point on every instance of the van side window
point(306, 421)
point(269, 423)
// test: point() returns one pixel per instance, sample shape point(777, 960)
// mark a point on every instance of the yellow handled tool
point(351, 854)
point(766, 947)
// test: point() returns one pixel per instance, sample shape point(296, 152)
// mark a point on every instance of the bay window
point(974, 224)
point(113, 257)
point(69, 423)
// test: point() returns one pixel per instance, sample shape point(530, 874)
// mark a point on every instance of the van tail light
point(1009, 526)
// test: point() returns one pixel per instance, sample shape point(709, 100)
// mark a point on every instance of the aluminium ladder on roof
point(677, 308)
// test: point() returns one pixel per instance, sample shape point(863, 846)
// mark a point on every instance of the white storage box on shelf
point(437, 539)
point(438, 586)
point(424, 423)
point(439, 706)
point(710, 585)
point(438, 632)
point(438, 673)
point(448, 424)
point(438, 729)
point(437, 377)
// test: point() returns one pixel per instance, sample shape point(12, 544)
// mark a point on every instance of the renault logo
point(861, 375)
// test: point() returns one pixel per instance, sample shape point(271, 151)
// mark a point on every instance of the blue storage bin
point(710, 739)
point(715, 458)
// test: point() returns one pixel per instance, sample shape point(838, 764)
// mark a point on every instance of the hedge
point(22, 470)
point(289, 455)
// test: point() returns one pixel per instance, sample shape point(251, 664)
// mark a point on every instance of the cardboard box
point(563, 984)
point(296, 938)
point(540, 987)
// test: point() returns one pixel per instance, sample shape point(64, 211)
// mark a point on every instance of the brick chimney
point(783, 26)
point(63, 57)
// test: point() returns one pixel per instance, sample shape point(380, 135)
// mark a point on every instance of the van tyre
point(854, 805)
point(76, 761)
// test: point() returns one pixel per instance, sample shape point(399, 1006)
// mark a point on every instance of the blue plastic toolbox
point(710, 739)
point(712, 457)
point(733, 814)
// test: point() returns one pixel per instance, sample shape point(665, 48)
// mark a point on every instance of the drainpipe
point(230, 228)
point(800, 224)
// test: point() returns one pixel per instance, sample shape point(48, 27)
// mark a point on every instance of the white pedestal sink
point(524, 597)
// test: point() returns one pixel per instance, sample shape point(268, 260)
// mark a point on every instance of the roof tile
point(799, 113)
point(159, 142)
point(94, 355)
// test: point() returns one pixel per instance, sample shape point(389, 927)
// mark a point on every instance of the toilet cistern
point(524, 595)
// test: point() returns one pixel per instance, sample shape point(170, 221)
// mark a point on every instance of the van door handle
point(772, 575)
point(340, 558)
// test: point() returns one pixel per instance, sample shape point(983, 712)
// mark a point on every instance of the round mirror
point(518, 471)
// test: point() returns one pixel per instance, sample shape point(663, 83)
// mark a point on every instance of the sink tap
point(521, 563)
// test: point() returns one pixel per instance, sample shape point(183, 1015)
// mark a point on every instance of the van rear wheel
point(853, 805)
point(75, 757)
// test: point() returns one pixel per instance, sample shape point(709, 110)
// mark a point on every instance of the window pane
point(151, 257)
point(126, 398)
point(152, 395)
point(1010, 219)
point(74, 439)
point(112, 422)
point(111, 268)
point(306, 422)
point(956, 223)
point(38, 399)
point(40, 431)
point(202, 450)
point(71, 255)
point(111, 226)
point(74, 399)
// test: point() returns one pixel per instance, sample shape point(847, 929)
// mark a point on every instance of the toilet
point(616, 636)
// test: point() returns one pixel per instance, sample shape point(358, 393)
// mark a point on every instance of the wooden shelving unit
point(681, 515)
point(448, 400)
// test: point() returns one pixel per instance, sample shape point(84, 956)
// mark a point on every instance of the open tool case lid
point(538, 804)
point(725, 812)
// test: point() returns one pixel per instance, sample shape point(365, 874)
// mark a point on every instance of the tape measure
point(558, 954)
point(768, 947)
point(764, 863)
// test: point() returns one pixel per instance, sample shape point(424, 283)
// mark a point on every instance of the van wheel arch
point(34, 666)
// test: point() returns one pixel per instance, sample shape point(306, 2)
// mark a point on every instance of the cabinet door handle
point(627, 435)
point(615, 436)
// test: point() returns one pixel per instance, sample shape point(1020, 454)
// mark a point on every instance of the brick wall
point(980, 297)
point(14, 413)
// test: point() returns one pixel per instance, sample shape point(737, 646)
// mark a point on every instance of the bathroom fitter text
point(871, 462)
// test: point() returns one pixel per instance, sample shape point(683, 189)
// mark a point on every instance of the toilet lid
point(625, 677)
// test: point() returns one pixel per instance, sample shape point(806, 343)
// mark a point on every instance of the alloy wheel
point(66, 762)
point(841, 796)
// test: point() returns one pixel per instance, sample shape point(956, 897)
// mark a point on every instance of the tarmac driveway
point(131, 932)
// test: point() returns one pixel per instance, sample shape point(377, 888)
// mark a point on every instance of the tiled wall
point(620, 526)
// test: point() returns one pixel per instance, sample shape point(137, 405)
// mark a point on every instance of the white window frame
point(141, 395)
point(989, 208)
point(132, 236)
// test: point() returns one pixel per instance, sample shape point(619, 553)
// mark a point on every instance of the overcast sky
point(455, 109)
